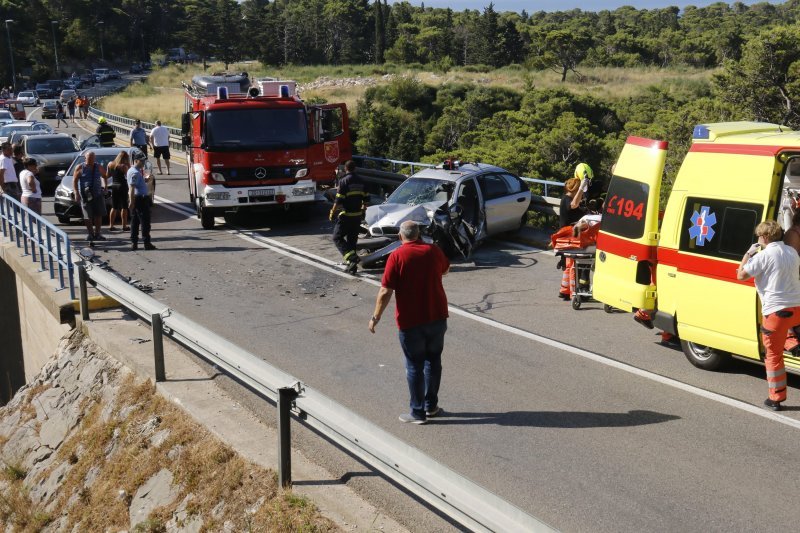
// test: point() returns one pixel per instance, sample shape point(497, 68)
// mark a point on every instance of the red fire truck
point(258, 146)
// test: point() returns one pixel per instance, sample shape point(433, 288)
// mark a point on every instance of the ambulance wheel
point(704, 357)
point(607, 308)
point(576, 302)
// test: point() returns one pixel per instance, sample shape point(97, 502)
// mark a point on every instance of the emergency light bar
point(279, 88)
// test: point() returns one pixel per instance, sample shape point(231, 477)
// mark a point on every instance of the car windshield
point(256, 129)
point(6, 115)
point(25, 95)
point(57, 145)
point(415, 191)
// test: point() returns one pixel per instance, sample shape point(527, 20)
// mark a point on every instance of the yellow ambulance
point(735, 175)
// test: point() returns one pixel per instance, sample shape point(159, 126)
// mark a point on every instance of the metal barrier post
point(84, 292)
point(158, 346)
point(286, 396)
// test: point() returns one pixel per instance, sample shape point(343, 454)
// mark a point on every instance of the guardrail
point(40, 239)
point(452, 494)
point(124, 125)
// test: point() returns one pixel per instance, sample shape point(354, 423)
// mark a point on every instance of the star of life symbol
point(701, 226)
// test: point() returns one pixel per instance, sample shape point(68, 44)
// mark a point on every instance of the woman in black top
point(118, 171)
point(570, 211)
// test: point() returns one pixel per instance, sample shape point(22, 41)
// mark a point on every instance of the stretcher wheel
point(576, 302)
point(607, 308)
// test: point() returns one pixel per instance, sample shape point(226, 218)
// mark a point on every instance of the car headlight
point(302, 173)
point(62, 193)
point(377, 230)
point(218, 196)
point(303, 191)
point(218, 176)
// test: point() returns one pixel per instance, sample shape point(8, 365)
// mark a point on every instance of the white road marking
point(325, 264)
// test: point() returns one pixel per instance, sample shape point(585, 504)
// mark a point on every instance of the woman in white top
point(31, 188)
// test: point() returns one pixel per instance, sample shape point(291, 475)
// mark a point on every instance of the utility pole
point(11, 56)
point(53, 24)
point(102, 54)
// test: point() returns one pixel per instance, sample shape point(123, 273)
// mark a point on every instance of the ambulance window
point(719, 228)
point(625, 208)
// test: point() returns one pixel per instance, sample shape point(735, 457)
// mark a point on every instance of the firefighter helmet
point(584, 171)
point(102, 120)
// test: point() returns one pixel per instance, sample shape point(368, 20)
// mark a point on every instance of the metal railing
point(462, 500)
point(124, 125)
point(39, 239)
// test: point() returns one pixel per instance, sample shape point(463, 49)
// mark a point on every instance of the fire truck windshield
point(255, 129)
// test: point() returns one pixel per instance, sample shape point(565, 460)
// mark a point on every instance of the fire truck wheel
point(206, 217)
point(704, 357)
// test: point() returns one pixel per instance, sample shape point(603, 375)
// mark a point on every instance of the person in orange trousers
point(774, 265)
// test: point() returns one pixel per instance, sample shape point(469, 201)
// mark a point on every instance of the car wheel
point(206, 217)
point(704, 357)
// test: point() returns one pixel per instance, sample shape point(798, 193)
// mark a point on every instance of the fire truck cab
point(258, 146)
point(734, 176)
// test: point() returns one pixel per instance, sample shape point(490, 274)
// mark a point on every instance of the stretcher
point(582, 273)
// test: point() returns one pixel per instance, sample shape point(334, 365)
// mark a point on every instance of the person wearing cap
point(140, 204)
point(139, 137)
point(105, 132)
point(31, 188)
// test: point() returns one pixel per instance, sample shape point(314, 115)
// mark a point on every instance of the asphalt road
point(579, 417)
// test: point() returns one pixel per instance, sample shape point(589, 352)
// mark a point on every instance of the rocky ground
point(89, 447)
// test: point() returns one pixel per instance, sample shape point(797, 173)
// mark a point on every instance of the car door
point(626, 244)
point(502, 201)
point(473, 215)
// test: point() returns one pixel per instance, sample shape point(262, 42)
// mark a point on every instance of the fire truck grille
point(263, 174)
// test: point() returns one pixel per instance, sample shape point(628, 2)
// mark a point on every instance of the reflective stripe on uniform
point(775, 373)
point(355, 193)
point(352, 213)
point(349, 254)
point(777, 385)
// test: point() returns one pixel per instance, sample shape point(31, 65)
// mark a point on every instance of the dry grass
point(205, 468)
point(163, 97)
point(16, 508)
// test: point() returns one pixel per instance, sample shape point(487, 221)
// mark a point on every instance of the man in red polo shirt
point(414, 272)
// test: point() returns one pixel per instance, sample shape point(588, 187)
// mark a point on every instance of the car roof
point(110, 150)
point(54, 136)
point(467, 169)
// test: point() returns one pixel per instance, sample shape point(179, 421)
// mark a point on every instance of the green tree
point(560, 49)
point(765, 83)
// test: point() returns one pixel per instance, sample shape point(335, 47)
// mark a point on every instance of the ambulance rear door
point(626, 244)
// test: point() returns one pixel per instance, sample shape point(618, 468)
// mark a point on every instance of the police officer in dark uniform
point(347, 213)
point(105, 132)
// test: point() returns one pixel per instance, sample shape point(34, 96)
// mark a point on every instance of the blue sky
point(560, 5)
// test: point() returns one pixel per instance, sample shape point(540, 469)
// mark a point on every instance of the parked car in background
point(101, 74)
point(64, 203)
point(6, 117)
point(28, 98)
point(44, 90)
point(73, 83)
point(88, 77)
point(68, 94)
point(56, 85)
point(114, 74)
point(53, 152)
point(8, 129)
point(49, 109)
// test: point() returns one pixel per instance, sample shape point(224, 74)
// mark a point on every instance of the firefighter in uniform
point(347, 213)
point(105, 132)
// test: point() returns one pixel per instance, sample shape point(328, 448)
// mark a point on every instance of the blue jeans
point(422, 346)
